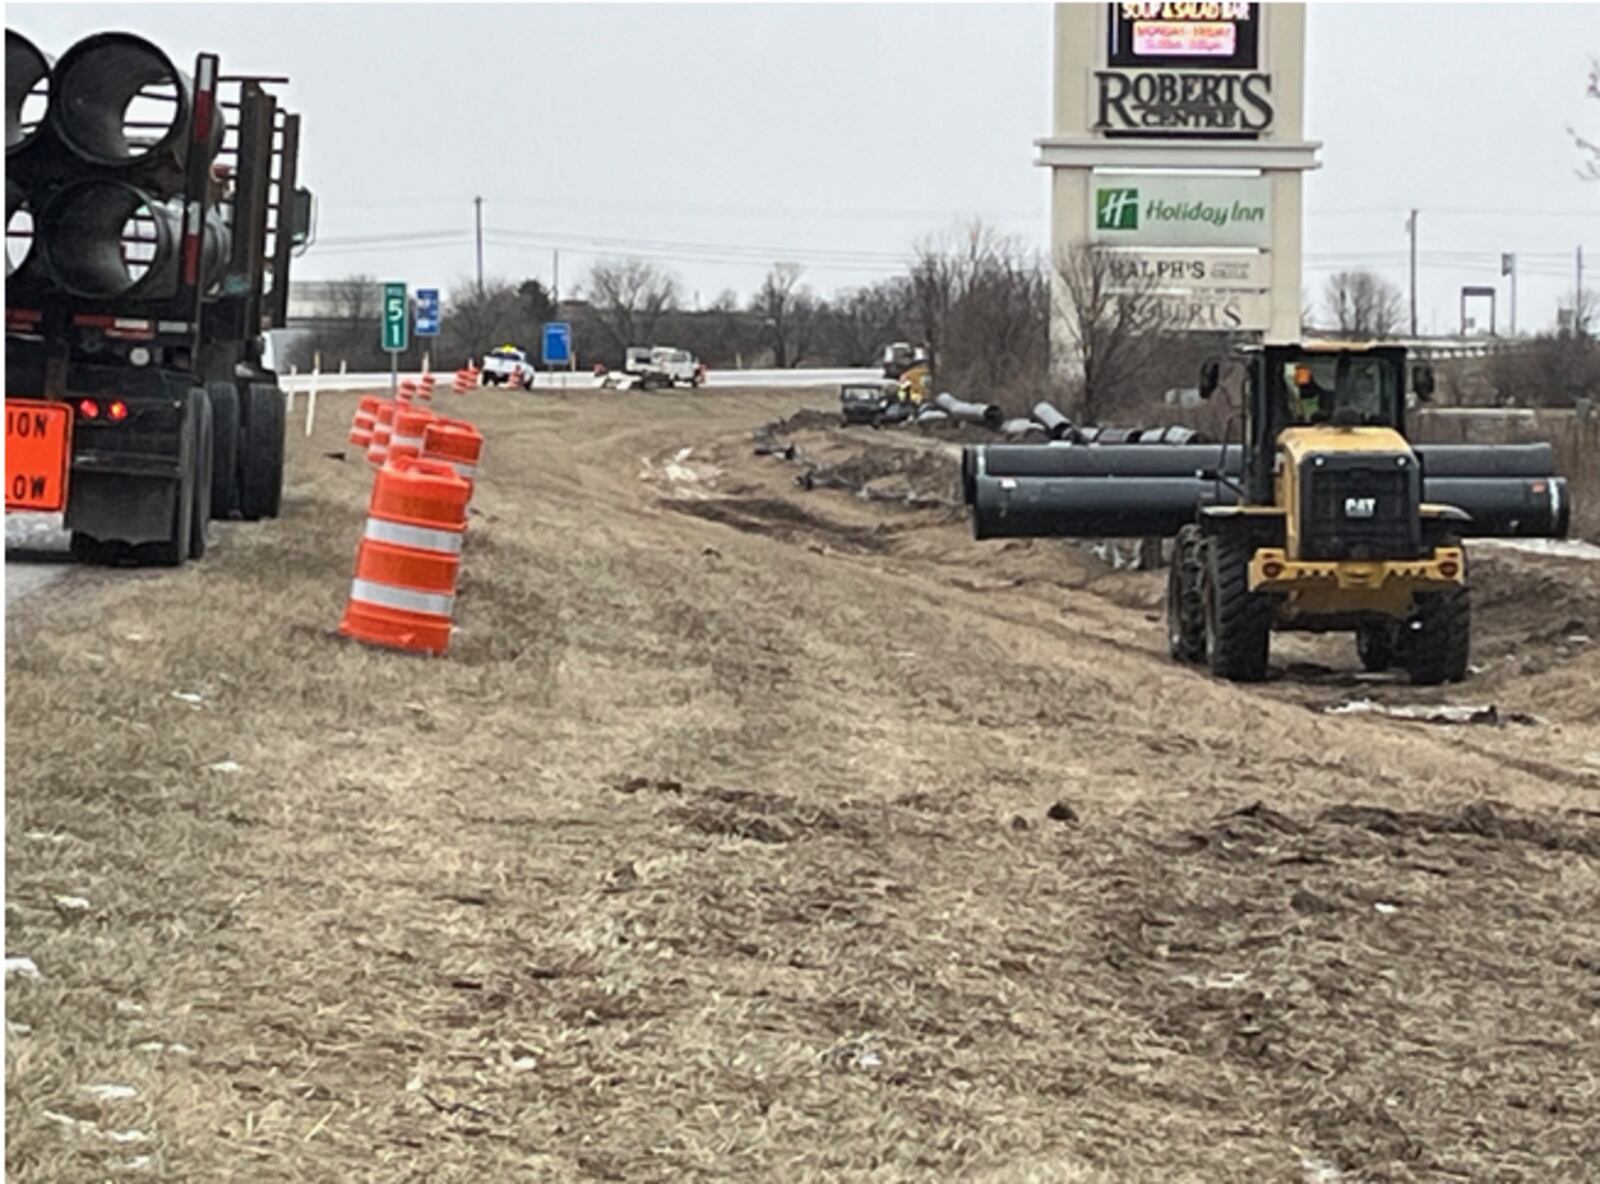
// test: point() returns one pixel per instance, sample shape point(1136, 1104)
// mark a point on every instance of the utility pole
point(555, 278)
point(1508, 266)
point(477, 206)
point(1411, 229)
point(1579, 310)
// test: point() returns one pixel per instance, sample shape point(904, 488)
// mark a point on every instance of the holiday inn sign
point(1176, 210)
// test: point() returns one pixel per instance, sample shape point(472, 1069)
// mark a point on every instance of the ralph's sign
point(1188, 271)
point(1203, 104)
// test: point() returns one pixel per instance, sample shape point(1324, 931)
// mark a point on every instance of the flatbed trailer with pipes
point(151, 217)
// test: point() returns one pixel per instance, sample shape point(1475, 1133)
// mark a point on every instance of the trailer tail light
point(118, 411)
point(1448, 569)
point(88, 409)
point(1272, 569)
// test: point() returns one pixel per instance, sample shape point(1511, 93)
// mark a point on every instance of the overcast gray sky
point(720, 138)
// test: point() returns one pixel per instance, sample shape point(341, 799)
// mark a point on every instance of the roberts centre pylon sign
point(1178, 149)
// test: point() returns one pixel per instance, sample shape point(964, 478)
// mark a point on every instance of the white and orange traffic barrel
point(404, 591)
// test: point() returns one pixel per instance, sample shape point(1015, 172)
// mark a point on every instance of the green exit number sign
point(396, 321)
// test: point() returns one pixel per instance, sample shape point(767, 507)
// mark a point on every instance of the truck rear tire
point(1186, 610)
point(224, 449)
point(1238, 621)
point(261, 464)
point(1439, 638)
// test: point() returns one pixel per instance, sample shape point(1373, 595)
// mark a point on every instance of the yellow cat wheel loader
point(1322, 518)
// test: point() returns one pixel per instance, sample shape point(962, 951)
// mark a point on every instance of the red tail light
point(118, 410)
point(88, 409)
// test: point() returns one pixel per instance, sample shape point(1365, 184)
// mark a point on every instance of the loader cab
point(1332, 384)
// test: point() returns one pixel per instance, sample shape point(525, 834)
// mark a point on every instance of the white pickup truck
point(508, 366)
point(663, 366)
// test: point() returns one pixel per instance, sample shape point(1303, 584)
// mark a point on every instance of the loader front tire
point(1238, 622)
point(1186, 610)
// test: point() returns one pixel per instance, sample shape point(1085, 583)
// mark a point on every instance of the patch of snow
point(1558, 548)
point(105, 1092)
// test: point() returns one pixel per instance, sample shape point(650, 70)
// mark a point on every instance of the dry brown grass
point(722, 847)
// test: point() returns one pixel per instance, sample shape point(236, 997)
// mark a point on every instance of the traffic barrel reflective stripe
point(378, 450)
point(402, 598)
point(403, 592)
point(365, 420)
point(424, 538)
point(405, 437)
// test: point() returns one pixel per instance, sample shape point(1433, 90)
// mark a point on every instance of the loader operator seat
point(1348, 392)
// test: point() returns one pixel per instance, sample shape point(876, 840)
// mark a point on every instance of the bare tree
point(475, 322)
point(1362, 304)
point(980, 302)
point(861, 321)
point(788, 314)
point(629, 297)
point(1115, 326)
point(1590, 168)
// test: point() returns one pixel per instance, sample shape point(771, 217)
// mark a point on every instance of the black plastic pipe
point(963, 412)
point(1048, 417)
point(1146, 506)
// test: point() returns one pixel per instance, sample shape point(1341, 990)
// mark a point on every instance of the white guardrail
point(317, 383)
point(583, 380)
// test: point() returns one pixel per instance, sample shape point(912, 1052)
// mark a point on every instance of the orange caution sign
point(38, 454)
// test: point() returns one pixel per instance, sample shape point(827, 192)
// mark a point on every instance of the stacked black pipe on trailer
point(1136, 491)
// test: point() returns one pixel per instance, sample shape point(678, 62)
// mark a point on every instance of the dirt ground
point(758, 832)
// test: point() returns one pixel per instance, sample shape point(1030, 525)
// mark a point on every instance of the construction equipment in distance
point(900, 356)
point(151, 216)
point(1324, 518)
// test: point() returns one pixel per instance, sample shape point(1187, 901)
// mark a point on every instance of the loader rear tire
point(1238, 621)
point(1375, 646)
point(1440, 638)
point(1186, 609)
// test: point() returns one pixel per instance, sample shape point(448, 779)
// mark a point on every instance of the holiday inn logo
point(1120, 208)
point(1116, 209)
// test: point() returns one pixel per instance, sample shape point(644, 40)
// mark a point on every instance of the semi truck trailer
point(151, 219)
